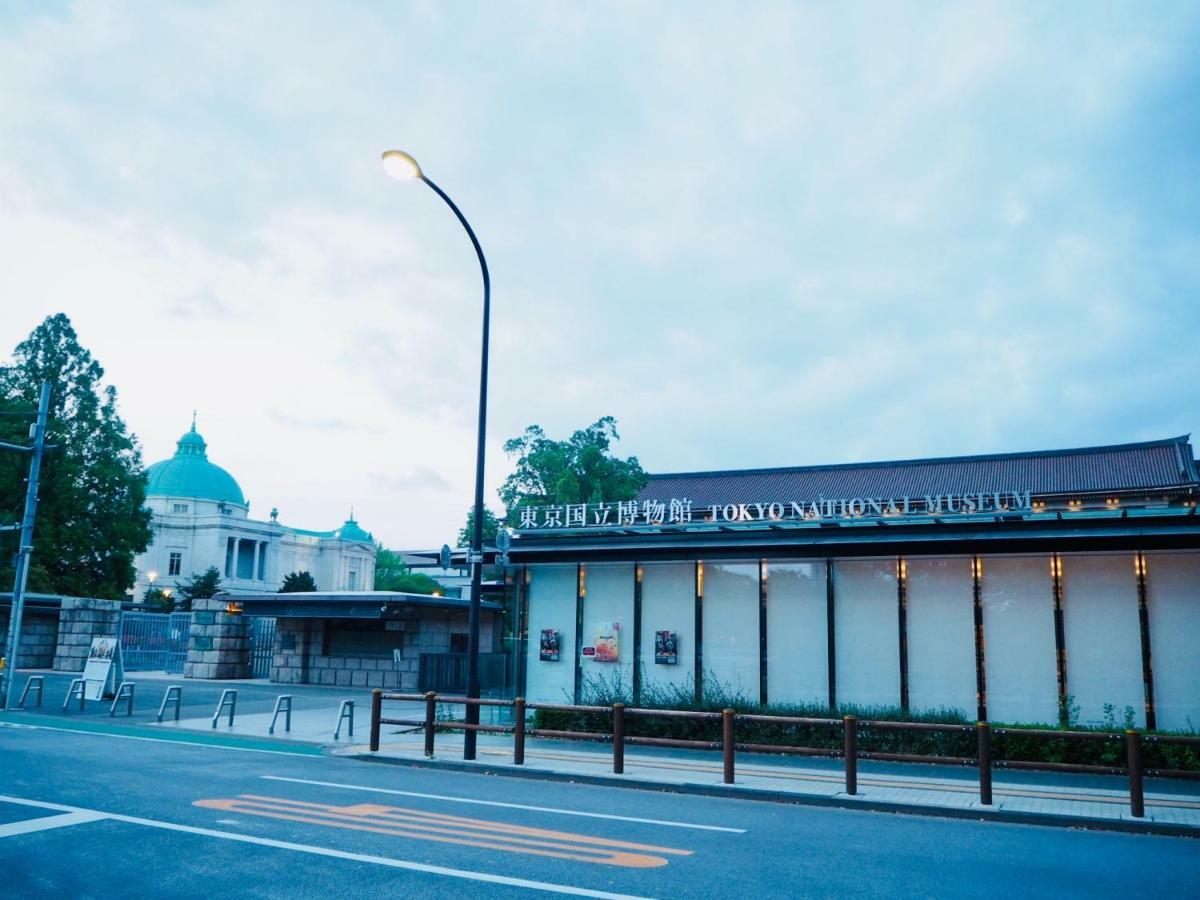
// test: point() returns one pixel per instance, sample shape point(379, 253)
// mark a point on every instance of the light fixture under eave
point(400, 165)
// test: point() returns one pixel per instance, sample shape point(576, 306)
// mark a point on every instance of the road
point(98, 815)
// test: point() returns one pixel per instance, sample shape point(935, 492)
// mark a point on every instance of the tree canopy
point(298, 582)
point(491, 525)
point(199, 587)
point(581, 469)
point(391, 574)
point(91, 521)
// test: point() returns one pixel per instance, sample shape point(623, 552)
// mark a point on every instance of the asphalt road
point(122, 816)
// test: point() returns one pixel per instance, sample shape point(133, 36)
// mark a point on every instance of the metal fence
point(448, 672)
point(262, 645)
point(154, 641)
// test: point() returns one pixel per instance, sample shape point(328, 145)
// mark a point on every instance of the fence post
point(850, 727)
point(1133, 748)
point(519, 731)
point(430, 717)
point(618, 738)
point(727, 720)
point(985, 763)
point(376, 713)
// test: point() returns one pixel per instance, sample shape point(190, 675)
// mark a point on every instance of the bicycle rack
point(283, 704)
point(228, 698)
point(173, 695)
point(124, 692)
point(36, 682)
point(345, 714)
point(77, 688)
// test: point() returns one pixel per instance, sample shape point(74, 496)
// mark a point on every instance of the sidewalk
point(1101, 802)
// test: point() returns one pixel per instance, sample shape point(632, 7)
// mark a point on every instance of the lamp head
point(151, 575)
point(400, 165)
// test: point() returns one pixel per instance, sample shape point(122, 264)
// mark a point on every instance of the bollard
point(727, 720)
point(430, 718)
point(618, 738)
point(519, 731)
point(376, 712)
point(850, 726)
point(985, 763)
point(1133, 747)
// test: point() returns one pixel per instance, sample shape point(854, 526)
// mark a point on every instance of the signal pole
point(26, 546)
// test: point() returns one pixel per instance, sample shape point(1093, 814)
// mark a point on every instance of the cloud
point(420, 478)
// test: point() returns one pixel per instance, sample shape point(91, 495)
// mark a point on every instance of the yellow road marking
point(443, 828)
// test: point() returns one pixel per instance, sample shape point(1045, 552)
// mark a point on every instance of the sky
point(757, 234)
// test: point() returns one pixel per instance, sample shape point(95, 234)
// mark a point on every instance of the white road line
point(545, 809)
point(152, 740)
point(48, 822)
point(336, 854)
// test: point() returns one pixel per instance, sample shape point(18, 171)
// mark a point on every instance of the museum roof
point(1117, 468)
point(189, 474)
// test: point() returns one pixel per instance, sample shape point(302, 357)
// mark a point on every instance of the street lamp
point(403, 167)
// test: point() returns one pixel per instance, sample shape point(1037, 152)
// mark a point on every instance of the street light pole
point(402, 166)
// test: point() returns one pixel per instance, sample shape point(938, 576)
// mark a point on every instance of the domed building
point(201, 518)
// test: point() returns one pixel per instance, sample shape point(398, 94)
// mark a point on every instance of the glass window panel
point(1102, 636)
point(608, 623)
point(668, 604)
point(797, 633)
point(941, 634)
point(1018, 628)
point(552, 605)
point(867, 632)
point(730, 651)
point(1173, 607)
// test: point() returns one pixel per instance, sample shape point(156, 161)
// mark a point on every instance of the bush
point(607, 690)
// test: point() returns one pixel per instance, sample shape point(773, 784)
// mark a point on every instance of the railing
point(728, 745)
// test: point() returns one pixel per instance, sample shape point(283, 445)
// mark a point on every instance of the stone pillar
point(79, 620)
point(218, 643)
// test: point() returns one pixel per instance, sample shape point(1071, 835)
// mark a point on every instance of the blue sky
point(757, 234)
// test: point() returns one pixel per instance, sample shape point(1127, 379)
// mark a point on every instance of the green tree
point(91, 517)
point(391, 574)
point(158, 600)
point(581, 469)
point(298, 582)
point(491, 525)
point(199, 587)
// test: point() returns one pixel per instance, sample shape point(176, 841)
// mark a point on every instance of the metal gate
point(262, 646)
point(152, 641)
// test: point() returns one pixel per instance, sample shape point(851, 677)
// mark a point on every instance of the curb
point(979, 814)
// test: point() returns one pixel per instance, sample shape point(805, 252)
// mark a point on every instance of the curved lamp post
point(403, 167)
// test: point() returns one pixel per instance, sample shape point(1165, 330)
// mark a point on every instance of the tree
point(91, 517)
point(579, 470)
point(491, 525)
point(391, 574)
point(199, 587)
point(298, 582)
point(158, 599)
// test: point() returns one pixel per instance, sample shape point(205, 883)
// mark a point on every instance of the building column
point(254, 563)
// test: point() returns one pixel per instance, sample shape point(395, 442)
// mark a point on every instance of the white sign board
point(104, 671)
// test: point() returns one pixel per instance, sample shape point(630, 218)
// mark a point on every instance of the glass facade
point(731, 644)
point(867, 632)
point(940, 620)
point(668, 604)
point(1173, 608)
point(797, 632)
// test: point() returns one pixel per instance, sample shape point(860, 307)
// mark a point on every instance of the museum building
point(1020, 587)
point(200, 518)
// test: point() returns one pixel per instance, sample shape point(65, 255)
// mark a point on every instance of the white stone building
point(202, 519)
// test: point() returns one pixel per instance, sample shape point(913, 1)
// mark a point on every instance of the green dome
point(350, 531)
point(189, 474)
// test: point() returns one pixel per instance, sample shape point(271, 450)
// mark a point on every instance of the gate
point(262, 646)
point(154, 641)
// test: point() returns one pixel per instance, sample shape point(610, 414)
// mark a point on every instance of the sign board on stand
point(104, 670)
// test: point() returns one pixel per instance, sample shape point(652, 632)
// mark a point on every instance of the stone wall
point(79, 620)
point(218, 643)
point(39, 637)
point(299, 659)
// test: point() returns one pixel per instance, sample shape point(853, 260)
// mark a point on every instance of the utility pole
point(25, 549)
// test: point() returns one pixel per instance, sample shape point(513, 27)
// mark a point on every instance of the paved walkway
point(1090, 801)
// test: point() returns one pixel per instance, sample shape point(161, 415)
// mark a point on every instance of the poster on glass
point(666, 648)
point(549, 645)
